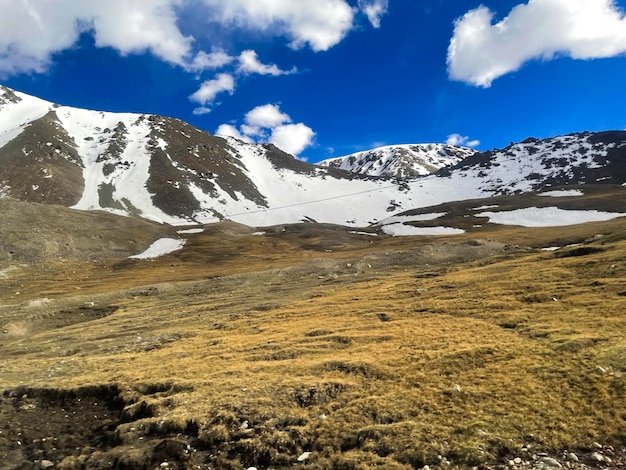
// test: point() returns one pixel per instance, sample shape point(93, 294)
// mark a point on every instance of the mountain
point(166, 170)
point(579, 158)
point(401, 161)
point(155, 167)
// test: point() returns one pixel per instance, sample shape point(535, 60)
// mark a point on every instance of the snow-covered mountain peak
point(534, 164)
point(401, 161)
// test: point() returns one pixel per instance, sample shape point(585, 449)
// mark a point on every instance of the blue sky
point(326, 78)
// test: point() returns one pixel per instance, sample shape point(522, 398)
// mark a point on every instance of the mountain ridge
point(401, 161)
point(166, 170)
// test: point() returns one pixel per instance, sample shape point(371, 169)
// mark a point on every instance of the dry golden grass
point(369, 356)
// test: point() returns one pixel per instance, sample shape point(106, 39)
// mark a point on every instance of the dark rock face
point(42, 165)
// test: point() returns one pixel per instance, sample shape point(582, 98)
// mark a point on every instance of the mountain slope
point(155, 167)
point(34, 233)
point(401, 161)
point(166, 170)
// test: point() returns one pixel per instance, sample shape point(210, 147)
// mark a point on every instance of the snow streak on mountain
point(166, 170)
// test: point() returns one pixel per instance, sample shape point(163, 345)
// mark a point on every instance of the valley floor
point(323, 348)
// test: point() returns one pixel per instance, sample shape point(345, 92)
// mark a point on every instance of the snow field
point(160, 247)
point(401, 230)
point(547, 217)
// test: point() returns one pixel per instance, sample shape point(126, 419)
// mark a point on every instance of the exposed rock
point(550, 462)
point(598, 457)
point(304, 456)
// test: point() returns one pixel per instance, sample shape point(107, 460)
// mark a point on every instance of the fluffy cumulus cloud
point(292, 138)
point(229, 130)
point(249, 63)
point(38, 29)
point(266, 116)
point(462, 140)
point(268, 124)
point(480, 51)
point(210, 89)
point(319, 24)
point(214, 60)
point(374, 10)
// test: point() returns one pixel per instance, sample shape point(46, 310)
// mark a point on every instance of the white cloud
point(209, 90)
point(461, 140)
point(249, 63)
point(41, 28)
point(214, 60)
point(232, 131)
point(292, 138)
point(134, 26)
point(268, 116)
point(268, 124)
point(320, 24)
point(199, 111)
point(375, 10)
point(260, 117)
point(38, 29)
point(479, 51)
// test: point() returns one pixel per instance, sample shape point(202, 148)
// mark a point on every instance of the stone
point(572, 457)
point(304, 456)
point(598, 457)
point(550, 462)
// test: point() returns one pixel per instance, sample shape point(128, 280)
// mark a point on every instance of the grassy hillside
point(366, 351)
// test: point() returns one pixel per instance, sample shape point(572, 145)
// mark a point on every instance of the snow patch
point(412, 218)
point(547, 217)
point(401, 230)
point(370, 234)
point(191, 230)
point(562, 193)
point(162, 246)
